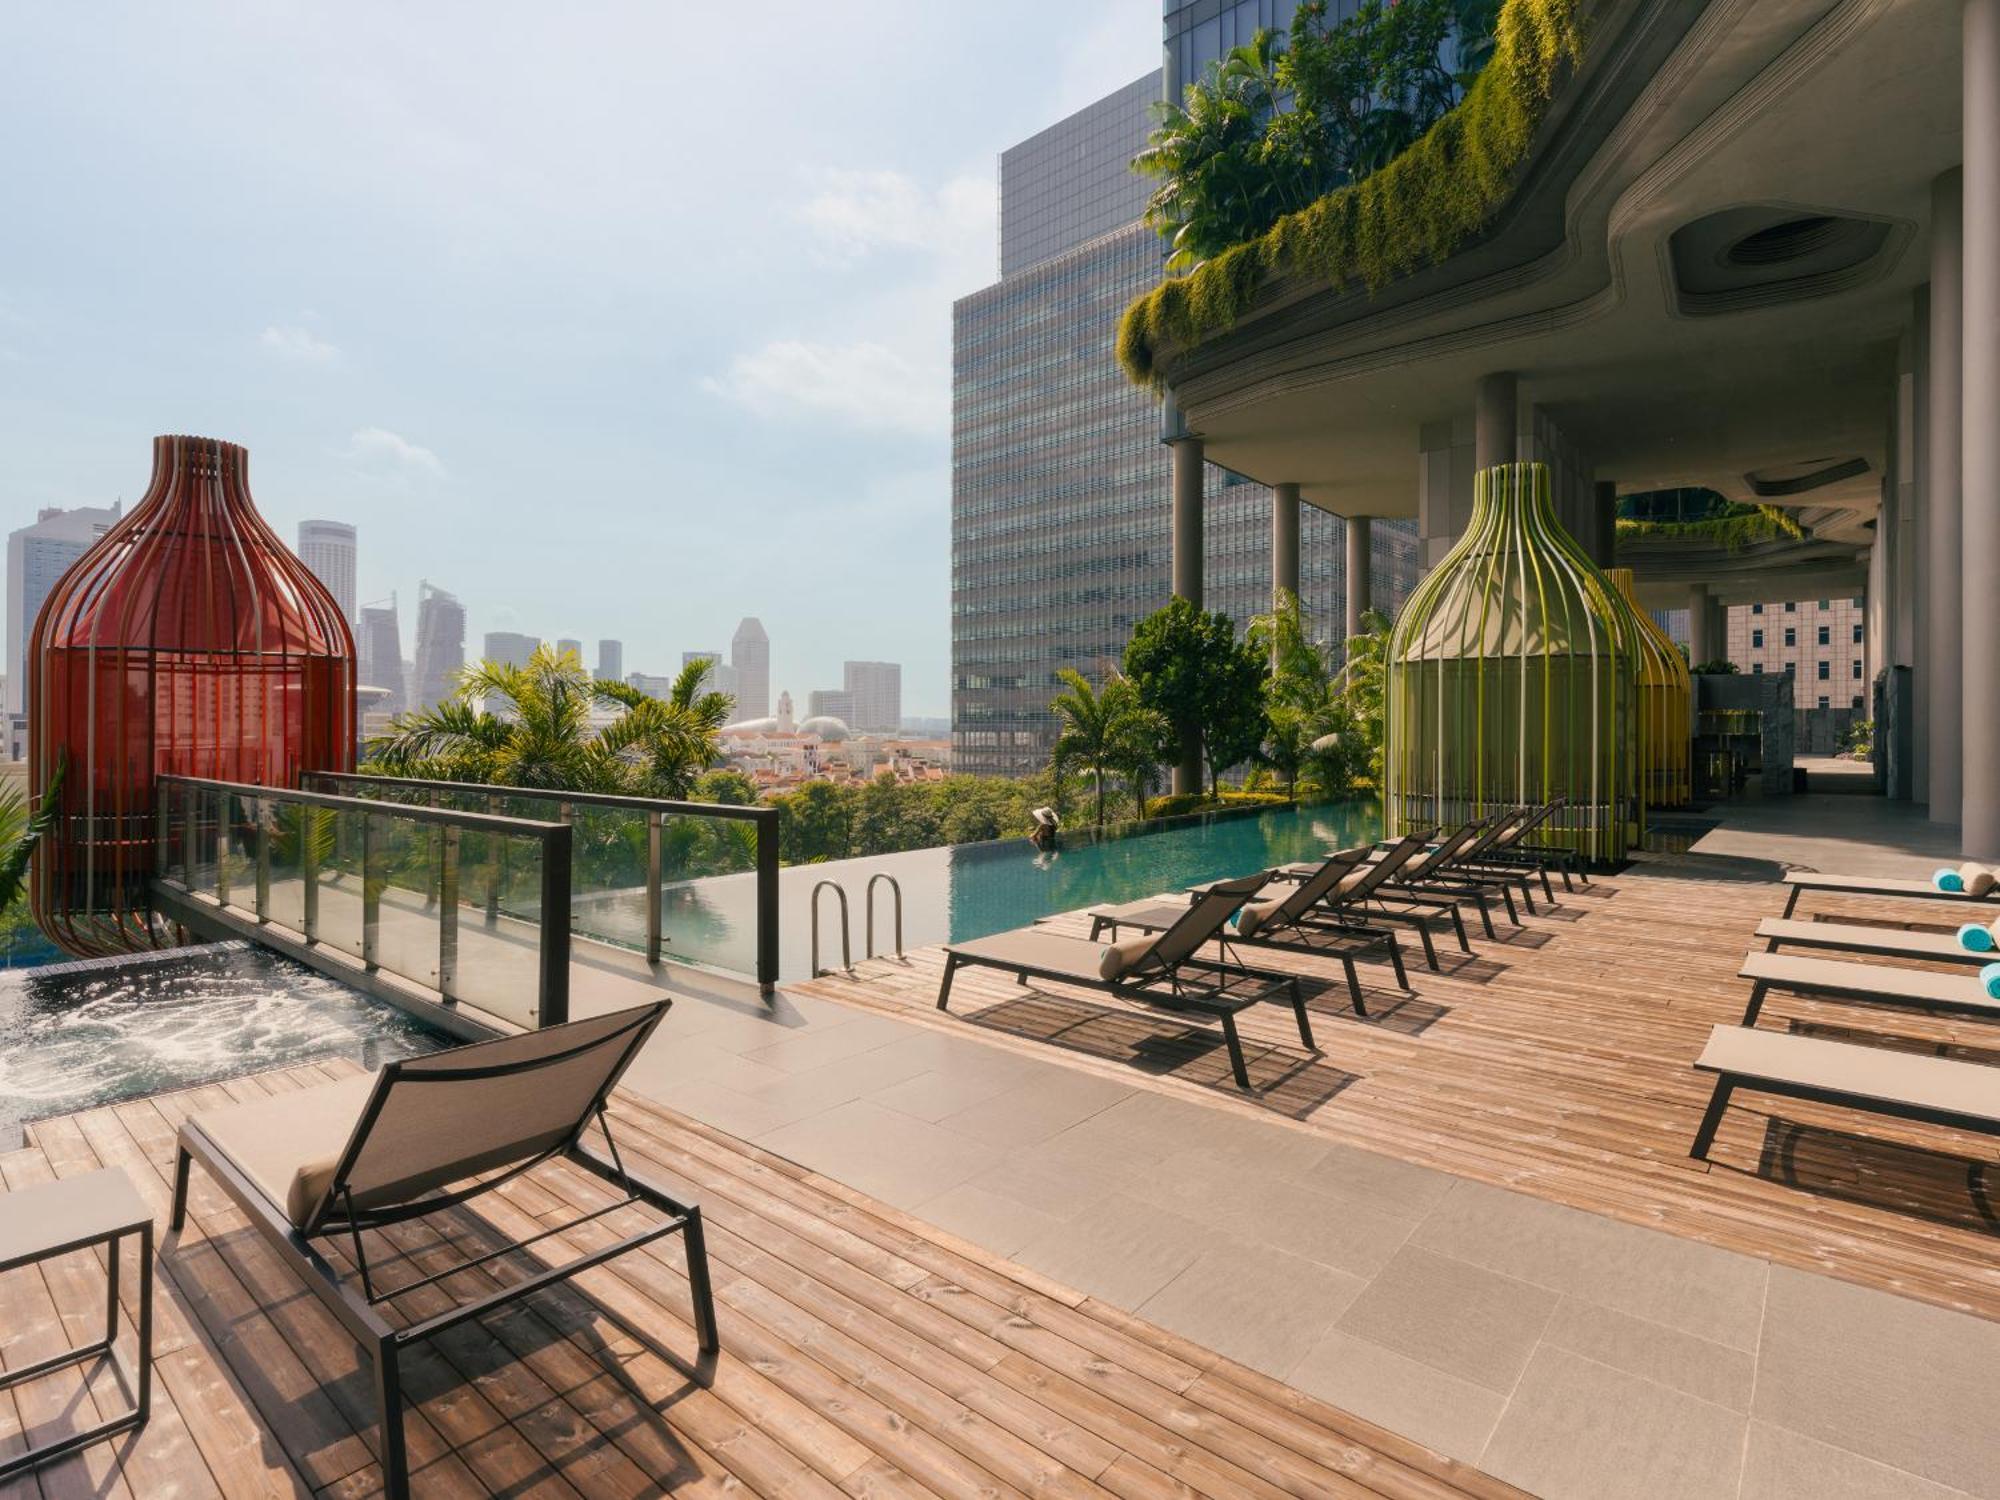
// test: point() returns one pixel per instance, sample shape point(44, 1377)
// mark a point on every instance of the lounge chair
point(1802, 881)
point(1290, 921)
point(1909, 1085)
point(1374, 898)
point(1922, 989)
point(424, 1134)
point(1434, 873)
point(1508, 851)
point(1162, 969)
point(1879, 942)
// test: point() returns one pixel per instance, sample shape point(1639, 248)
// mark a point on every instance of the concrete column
point(1603, 543)
point(1188, 475)
point(1285, 540)
point(1979, 515)
point(1919, 468)
point(1360, 586)
point(1496, 417)
point(1705, 642)
point(1943, 498)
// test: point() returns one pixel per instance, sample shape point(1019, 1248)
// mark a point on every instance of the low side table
point(75, 1213)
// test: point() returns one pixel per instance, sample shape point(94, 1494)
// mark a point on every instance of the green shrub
point(1414, 212)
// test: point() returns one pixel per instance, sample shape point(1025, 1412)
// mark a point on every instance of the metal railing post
point(222, 848)
point(309, 867)
point(448, 915)
point(868, 904)
point(846, 949)
point(162, 833)
point(496, 868)
point(552, 1008)
point(767, 901)
point(653, 896)
point(371, 896)
point(263, 859)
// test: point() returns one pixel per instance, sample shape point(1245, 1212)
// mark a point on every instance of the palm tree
point(1363, 683)
point(21, 830)
point(531, 726)
point(1105, 732)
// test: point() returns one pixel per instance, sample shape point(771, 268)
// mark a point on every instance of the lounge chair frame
point(1802, 881)
point(336, 1216)
point(1142, 983)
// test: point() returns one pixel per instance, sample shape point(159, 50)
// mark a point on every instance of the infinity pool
point(74, 1036)
point(970, 890)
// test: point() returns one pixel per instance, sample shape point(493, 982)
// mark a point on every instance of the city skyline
point(629, 379)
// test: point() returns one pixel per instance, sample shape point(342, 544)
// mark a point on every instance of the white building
point(379, 639)
point(610, 661)
point(875, 693)
point(328, 551)
point(750, 660)
point(37, 556)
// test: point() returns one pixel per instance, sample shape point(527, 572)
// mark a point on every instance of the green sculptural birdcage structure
point(1666, 713)
point(1513, 680)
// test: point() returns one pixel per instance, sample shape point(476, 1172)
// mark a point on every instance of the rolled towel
point(1948, 880)
point(1116, 960)
point(1977, 879)
point(1976, 939)
point(1989, 980)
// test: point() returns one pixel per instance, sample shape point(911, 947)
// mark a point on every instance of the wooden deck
point(864, 1355)
point(1557, 1062)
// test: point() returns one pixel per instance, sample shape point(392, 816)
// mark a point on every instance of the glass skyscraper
point(1060, 484)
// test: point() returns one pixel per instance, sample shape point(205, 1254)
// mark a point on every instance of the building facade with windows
point(327, 548)
point(1822, 643)
point(440, 646)
point(37, 556)
point(1061, 540)
point(875, 693)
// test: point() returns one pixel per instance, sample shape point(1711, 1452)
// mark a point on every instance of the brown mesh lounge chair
point(1874, 984)
point(1291, 921)
point(1877, 942)
point(1369, 895)
point(1162, 969)
point(1509, 852)
point(1802, 881)
point(424, 1134)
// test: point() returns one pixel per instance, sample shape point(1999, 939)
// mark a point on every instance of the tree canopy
point(1208, 687)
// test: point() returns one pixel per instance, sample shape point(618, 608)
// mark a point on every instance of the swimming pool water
point(74, 1036)
point(971, 890)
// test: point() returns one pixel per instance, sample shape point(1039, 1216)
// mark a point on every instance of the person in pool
point(1047, 832)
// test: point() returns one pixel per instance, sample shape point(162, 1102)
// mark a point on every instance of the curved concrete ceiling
point(1784, 109)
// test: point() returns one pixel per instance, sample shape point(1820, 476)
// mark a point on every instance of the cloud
point(855, 212)
point(298, 345)
point(866, 383)
point(383, 449)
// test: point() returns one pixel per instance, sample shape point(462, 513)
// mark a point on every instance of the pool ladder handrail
point(868, 903)
point(846, 945)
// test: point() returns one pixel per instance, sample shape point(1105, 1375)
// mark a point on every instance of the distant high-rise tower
point(37, 556)
point(327, 549)
point(440, 645)
point(380, 644)
point(509, 648)
point(750, 660)
point(610, 661)
point(876, 688)
point(569, 646)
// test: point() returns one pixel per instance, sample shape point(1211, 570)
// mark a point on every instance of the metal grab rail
point(562, 808)
point(206, 825)
point(846, 947)
point(868, 904)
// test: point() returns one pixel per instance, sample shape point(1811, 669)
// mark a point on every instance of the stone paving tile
point(1381, 1182)
point(1696, 1288)
point(1452, 1315)
point(1253, 1303)
point(1121, 1250)
point(1452, 1416)
point(1696, 1367)
point(1779, 1464)
point(891, 1156)
point(1911, 1386)
point(977, 1213)
point(1579, 1430)
point(1036, 1111)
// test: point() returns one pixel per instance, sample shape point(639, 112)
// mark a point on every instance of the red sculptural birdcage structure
point(189, 640)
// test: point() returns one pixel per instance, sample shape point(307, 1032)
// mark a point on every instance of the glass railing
point(694, 882)
point(471, 906)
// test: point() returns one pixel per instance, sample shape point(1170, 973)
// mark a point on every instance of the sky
point(613, 319)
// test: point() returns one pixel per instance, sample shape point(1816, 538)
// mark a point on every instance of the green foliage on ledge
point(1414, 212)
point(1744, 526)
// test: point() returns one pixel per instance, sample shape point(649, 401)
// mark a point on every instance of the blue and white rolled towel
point(1968, 879)
point(1989, 980)
point(1974, 938)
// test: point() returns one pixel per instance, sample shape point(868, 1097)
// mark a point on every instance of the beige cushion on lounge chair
point(1978, 878)
point(1349, 882)
point(1118, 958)
point(288, 1145)
point(1254, 916)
